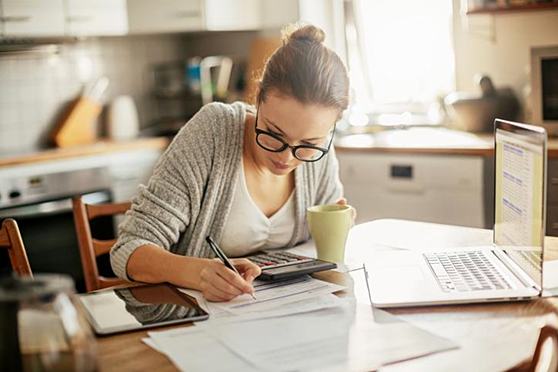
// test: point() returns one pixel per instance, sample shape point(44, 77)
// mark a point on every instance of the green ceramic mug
point(329, 227)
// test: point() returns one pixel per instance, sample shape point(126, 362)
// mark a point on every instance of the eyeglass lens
point(274, 144)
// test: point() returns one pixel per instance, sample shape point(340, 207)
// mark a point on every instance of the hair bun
point(308, 33)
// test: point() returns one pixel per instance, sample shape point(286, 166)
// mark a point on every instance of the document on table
point(333, 339)
point(269, 295)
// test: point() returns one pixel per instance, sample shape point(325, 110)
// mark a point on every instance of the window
point(400, 54)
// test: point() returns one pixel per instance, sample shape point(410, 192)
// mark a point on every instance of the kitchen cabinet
point(223, 15)
point(277, 14)
point(209, 15)
point(56, 18)
point(99, 17)
point(437, 188)
point(32, 18)
point(147, 16)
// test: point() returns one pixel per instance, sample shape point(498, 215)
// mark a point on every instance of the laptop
point(508, 270)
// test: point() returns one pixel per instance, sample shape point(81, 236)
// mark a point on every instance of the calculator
point(280, 265)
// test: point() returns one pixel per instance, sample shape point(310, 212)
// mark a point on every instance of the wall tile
point(34, 87)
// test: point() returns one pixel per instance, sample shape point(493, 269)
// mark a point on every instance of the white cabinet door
point(97, 17)
point(233, 15)
point(277, 14)
point(432, 188)
point(149, 16)
point(33, 18)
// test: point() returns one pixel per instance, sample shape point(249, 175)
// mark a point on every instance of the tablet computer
point(145, 306)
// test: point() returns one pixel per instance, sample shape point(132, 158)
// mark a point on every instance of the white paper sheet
point(272, 295)
point(326, 339)
point(191, 349)
point(305, 305)
point(269, 296)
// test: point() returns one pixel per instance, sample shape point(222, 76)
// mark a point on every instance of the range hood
point(17, 45)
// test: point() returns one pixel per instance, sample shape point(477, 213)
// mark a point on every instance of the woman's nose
point(286, 156)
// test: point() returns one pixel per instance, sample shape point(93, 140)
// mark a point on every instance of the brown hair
point(305, 69)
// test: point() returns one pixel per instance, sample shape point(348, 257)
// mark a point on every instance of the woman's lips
point(280, 165)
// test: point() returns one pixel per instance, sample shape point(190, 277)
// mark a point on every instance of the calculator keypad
point(276, 259)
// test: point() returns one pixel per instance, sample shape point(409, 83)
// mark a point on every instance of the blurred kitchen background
point(91, 91)
point(404, 58)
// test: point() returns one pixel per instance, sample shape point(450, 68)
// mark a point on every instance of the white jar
point(122, 119)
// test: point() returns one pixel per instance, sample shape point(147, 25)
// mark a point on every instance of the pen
point(219, 253)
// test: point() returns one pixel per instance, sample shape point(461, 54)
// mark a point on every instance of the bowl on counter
point(476, 113)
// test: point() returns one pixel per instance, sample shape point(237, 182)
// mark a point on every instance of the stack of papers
point(299, 325)
point(270, 296)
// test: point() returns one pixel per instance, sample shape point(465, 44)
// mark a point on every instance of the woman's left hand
point(343, 201)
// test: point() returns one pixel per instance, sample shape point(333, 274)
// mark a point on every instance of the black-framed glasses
point(274, 143)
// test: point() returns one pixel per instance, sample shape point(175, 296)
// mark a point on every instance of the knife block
point(78, 127)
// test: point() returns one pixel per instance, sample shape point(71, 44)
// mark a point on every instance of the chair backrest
point(10, 238)
point(91, 248)
point(545, 357)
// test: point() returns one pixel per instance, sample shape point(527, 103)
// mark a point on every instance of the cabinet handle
point(554, 225)
point(554, 181)
point(79, 19)
point(16, 19)
point(187, 14)
point(407, 190)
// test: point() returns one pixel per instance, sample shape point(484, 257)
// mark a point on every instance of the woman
point(245, 178)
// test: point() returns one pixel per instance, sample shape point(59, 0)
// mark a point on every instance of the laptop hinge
point(521, 275)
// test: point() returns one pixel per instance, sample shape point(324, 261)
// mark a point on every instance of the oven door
point(49, 236)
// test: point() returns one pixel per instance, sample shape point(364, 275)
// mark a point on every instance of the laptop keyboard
point(273, 259)
point(465, 271)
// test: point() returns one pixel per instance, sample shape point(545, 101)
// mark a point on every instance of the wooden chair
point(91, 248)
point(10, 238)
point(545, 359)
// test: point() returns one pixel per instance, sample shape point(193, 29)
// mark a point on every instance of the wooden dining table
point(478, 329)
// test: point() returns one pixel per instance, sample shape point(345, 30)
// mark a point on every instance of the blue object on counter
point(193, 75)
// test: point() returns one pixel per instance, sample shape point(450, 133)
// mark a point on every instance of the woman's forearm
point(153, 264)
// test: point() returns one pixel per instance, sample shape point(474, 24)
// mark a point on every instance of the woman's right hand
point(219, 283)
point(152, 264)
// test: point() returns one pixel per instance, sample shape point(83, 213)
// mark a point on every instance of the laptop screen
point(520, 176)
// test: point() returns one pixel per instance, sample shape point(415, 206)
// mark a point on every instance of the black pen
point(219, 253)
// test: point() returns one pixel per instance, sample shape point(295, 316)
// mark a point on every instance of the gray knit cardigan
point(189, 195)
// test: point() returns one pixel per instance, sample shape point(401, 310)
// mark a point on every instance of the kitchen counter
point(101, 147)
point(425, 141)
point(401, 141)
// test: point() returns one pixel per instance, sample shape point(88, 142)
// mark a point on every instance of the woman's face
point(296, 124)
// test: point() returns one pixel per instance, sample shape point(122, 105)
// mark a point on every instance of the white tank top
point(248, 229)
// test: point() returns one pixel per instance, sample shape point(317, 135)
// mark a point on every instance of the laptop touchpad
point(404, 273)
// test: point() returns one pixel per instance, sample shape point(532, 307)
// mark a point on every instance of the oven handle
point(53, 207)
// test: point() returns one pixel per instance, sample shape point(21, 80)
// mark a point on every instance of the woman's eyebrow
point(270, 123)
